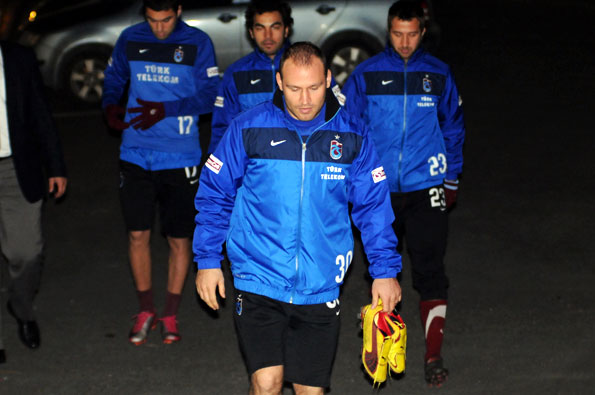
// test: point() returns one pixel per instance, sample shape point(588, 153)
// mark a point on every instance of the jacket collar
point(395, 57)
point(332, 104)
point(264, 57)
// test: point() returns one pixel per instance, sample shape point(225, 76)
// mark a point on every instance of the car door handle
point(325, 9)
point(227, 17)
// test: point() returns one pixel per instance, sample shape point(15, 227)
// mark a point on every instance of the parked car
point(73, 42)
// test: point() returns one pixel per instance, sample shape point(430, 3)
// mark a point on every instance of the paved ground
point(520, 257)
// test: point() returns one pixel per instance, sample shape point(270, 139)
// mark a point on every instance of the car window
point(54, 15)
point(224, 23)
point(314, 18)
point(49, 7)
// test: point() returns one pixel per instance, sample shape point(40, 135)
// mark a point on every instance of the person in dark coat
point(31, 165)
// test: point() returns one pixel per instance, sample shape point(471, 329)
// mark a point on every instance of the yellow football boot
point(398, 349)
point(377, 345)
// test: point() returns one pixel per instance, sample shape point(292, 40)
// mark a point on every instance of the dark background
point(520, 255)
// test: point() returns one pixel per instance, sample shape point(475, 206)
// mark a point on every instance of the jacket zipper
point(299, 235)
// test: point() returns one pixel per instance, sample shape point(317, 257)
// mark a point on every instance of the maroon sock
point(145, 299)
point(172, 302)
point(433, 314)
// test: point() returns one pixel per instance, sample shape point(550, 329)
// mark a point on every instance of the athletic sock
point(172, 302)
point(145, 299)
point(433, 315)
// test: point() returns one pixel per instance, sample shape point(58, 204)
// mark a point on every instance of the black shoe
point(2, 356)
point(435, 373)
point(28, 330)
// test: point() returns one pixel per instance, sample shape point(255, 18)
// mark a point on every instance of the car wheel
point(345, 52)
point(344, 58)
point(84, 74)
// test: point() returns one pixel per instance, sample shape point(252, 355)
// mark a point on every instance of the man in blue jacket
point(277, 190)
point(251, 79)
point(173, 78)
point(409, 100)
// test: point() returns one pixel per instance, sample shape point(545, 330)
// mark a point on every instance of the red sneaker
point(169, 329)
point(145, 320)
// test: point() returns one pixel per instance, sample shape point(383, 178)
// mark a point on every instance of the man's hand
point(150, 113)
point(114, 115)
point(207, 281)
point(450, 191)
point(387, 289)
point(57, 185)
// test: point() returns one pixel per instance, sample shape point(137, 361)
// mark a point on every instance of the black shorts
point(173, 190)
point(421, 218)
point(302, 338)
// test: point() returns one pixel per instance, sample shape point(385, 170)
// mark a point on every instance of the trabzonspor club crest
point(178, 54)
point(427, 84)
point(336, 149)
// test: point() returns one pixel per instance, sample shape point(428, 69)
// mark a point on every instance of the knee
point(179, 245)
point(267, 381)
point(139, 238)
point(305, 390)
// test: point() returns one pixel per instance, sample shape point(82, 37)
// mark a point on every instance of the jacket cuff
point(385, 271)
point(208, 263)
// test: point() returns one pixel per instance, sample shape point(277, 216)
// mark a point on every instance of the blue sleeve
point(372, 212)
point(450, 116)
point(227, 106)
point(206, 80)
point(117, 73)
point(355, 98)
point(220, 178)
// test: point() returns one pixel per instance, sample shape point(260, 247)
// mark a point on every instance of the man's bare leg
point(139, 252)
point(179, 261)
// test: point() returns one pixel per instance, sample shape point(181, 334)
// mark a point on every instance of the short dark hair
point(407, 10)
point(161, 5)
point(301, 53)
point(262, 6)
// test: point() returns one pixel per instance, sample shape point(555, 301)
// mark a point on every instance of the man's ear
point(179, 12)
point(329, 78)
point(279, 81)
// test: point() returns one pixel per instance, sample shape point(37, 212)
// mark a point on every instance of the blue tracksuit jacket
point(281, 204)
point(179, 71)
point(415, 117)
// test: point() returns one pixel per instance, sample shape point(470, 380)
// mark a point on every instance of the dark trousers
point(422, 221)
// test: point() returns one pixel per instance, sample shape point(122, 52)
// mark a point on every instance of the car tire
point(345, 55)
point(83, 74)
